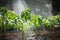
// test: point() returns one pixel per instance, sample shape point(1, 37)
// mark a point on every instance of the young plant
point(37, 20)
point(57, 19)
point(3, 11)
point(26, 15)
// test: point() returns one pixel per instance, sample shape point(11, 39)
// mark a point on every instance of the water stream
point(19, 5)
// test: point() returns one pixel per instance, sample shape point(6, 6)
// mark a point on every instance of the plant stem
point(3, 27)
point(43, 28)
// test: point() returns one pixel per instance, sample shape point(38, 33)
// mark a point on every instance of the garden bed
point(11, 35)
